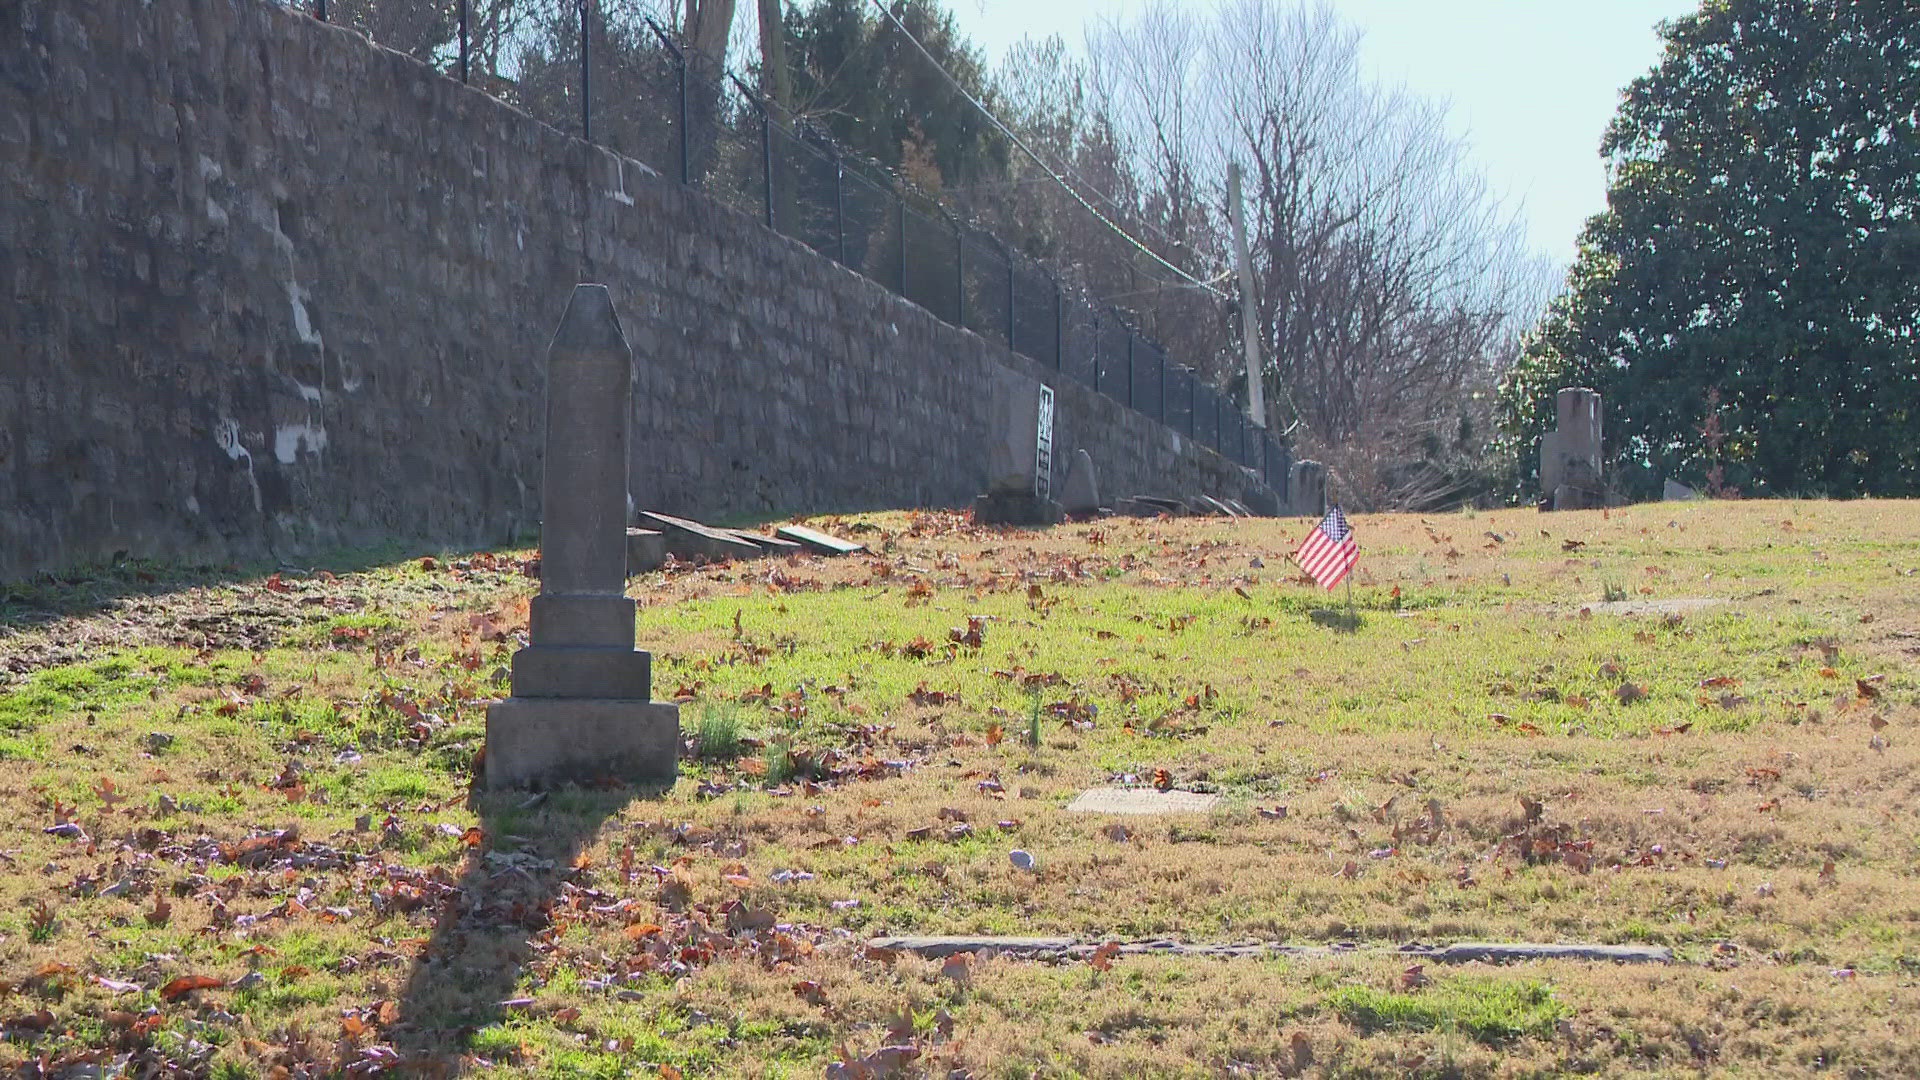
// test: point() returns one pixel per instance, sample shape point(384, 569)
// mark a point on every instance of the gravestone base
point(544, 742)
point(1016, 508)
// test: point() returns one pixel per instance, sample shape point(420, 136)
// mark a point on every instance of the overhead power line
point(1037, 159)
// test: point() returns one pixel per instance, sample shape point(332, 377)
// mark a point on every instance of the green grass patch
point(1488, 1010)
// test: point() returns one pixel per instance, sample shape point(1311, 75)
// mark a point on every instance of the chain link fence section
point(607, 71)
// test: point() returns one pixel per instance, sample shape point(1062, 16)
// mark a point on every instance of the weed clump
point(718, 736)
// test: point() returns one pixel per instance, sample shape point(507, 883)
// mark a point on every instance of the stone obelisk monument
point(582, 707)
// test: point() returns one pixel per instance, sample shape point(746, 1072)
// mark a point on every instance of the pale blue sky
point(1532, 83)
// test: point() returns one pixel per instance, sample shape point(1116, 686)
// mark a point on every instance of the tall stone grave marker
point(1570, 457)
point(1307, 489)
point(1019, 453)
point(582, 705)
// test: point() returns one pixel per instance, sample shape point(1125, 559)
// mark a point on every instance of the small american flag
point(1328, 552)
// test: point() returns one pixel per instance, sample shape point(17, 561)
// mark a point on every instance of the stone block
point(1674, 491)
point(1016, 508)
point(546, 671)
point(815, 540)
point(545, 742)
point(646, 550)
point(1080, 492)
point(581, 621)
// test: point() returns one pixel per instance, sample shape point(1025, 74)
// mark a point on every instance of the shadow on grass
point(1339, 621)
point(494, 924)
point(85, 590)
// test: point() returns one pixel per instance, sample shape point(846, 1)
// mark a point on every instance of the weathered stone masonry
point(270, 289)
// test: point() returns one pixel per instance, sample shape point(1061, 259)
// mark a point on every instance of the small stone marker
point(581, 708)
point(818, 541)
point(1674, 491)
point(646, 550)
point(1141, 801)
point(688, 539)
point(1080, 493)
point(1307, 489)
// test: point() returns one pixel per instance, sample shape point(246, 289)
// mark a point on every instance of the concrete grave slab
point(1142, 801)
point(1676, 605)
point(936, 947)
point(773, 545)
point(815, 540)
point(688, 539)
point(1169, 507)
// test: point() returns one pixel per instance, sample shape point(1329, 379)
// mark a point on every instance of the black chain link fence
point(606, 70)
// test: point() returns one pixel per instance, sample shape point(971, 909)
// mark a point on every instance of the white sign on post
point(1043, 447)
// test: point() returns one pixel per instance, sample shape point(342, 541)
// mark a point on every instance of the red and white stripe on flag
point(1328, 552)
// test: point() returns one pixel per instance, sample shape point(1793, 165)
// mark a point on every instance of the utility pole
point(1249, 330)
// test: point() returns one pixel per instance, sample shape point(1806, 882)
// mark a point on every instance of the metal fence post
point(464, 48)
point(320, 10)
point(1059, 329)
point(1161, 397)
point(686, 123)
point(1193, 407)
point(1007, 254)
point(1096, 352)
point(1130, 403)
point(766, 161)
point(586, 74)
point(840, 208)
point(959, 277)
point(901, 204)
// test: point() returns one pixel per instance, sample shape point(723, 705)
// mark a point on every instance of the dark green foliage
point(855, 75)
point(1749, 303)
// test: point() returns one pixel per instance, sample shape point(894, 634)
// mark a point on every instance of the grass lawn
point(237, 837)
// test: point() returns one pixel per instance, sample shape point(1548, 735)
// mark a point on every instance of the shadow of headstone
point(494, 921)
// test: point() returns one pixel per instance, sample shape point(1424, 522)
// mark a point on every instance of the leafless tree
point(1391, 279)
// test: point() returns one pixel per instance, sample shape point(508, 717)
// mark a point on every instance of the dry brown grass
point(1753, 810)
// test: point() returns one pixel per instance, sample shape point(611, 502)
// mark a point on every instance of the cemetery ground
point(239, 836)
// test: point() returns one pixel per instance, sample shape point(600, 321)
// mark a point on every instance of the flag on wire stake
point(1328, 553)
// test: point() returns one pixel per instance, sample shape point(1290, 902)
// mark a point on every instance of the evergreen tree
point(1749, 302)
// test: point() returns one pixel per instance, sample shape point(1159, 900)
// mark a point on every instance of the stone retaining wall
point(271, 289)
